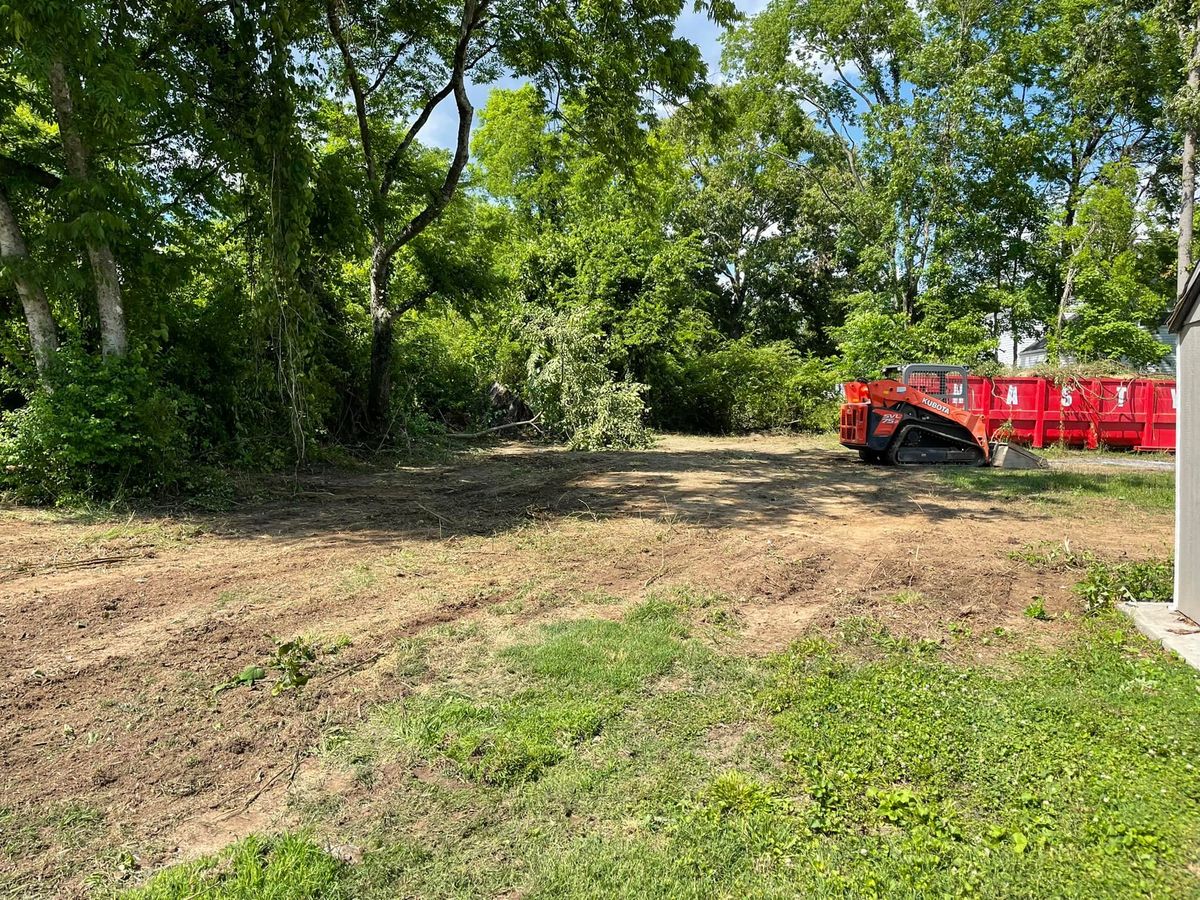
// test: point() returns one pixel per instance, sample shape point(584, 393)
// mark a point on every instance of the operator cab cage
point(946, 383)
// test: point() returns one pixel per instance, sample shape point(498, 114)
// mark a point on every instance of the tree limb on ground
point(475, 434)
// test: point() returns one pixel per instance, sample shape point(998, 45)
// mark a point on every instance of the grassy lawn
point(643, 757)
point(1146, 491)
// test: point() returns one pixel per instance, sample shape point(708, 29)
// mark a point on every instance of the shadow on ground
point(481, 495)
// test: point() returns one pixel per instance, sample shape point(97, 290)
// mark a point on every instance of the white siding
point(1187, 471)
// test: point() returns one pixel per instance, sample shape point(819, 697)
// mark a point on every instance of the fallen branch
point(475, 434)
point(70, 564)
point(661, 569)
point(297, 758)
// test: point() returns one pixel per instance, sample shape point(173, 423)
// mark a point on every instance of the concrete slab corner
point(1172, 629)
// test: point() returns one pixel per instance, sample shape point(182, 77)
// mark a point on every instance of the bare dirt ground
point(114, 635)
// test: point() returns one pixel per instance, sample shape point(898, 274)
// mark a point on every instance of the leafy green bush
point(441, 369)
point(615, 418)
point(101, 429)
point(1037, 610)
point(740, 387)
point(292, 660)
point(875, 335)
point(570, 384)
point(1104, 585)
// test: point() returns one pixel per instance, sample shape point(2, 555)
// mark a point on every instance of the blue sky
point(442, 125)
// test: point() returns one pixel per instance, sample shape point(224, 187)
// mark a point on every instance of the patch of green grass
point(1040, 784)
point(500, 743)
point(1082, 454)
point(357, 578)
point(599, 657)
point(145, 534)
point(1147, 491)
point(868, 633)
point(291, 867)
point(74, 821)
point(20, 834)
point(689, 597)
point(65, 836)
point(573, 680)
point(411, 658)
point(913, 778)
point(603, 758)
point(513, 607)
point(73, 511)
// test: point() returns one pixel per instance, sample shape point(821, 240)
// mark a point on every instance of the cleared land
point(715, 667)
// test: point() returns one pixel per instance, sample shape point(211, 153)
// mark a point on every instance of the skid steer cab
point(920, 415)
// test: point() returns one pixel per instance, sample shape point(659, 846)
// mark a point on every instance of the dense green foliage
point(1137, 582)
point(630, 759)
point(230, 220)
point(100, 426)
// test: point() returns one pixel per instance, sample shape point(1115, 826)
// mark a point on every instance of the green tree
point(399, 63)
point(759, 198)
point(595, 234)
point(1120, 263)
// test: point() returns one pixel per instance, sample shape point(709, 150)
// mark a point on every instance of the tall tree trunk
point(379, 382)
point(1187, 194)
point(43, 334)
point(1065, 300)
point(387, 241)
point(113, 338)
point(910, 300)
point(1070, 208)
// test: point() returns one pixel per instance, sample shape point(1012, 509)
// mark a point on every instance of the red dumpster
point(1133, 413)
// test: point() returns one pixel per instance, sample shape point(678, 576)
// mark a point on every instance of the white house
point(1185, 323)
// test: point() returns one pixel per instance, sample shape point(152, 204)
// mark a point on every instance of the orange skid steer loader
point(924, 418)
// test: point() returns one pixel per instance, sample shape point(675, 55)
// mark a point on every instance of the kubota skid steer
point(922, 419)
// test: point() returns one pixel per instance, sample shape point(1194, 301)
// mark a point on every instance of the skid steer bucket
point(1010, 456)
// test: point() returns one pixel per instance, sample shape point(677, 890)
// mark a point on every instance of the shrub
point(740, 387)
point(616, 418)
point(1104, 585)
point(1037, 610)
point(101, 429)
point(440, 370)
point(875, 335)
